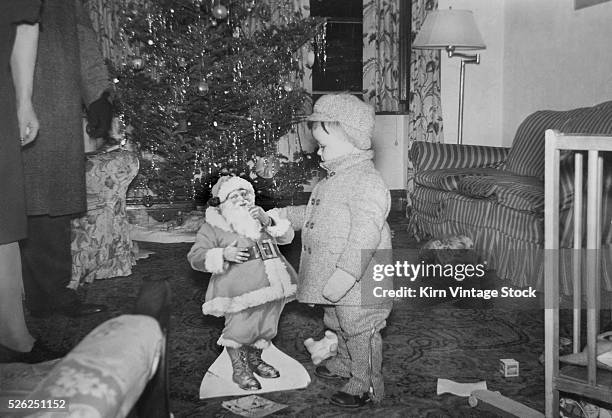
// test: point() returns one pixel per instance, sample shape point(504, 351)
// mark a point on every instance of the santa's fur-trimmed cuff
point(281, 225)
point(261, 344)
point(226, 342)
point(214, 262)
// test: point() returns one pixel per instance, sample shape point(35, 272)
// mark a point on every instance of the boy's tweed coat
point(69, 73)
point(344, 220)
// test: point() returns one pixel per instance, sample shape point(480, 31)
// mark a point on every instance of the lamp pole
point(465, 59)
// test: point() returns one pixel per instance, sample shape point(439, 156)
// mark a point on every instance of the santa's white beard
point(241, 220)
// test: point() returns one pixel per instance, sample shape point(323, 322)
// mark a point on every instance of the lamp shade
point(449, 28)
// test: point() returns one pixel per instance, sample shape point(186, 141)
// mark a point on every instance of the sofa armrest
point(106, 372)
point(433, 156)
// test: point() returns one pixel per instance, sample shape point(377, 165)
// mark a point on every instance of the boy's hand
point(338, 285)
point(259, 214)
point(235, 254)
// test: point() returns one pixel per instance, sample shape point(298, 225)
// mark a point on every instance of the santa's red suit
point(250, 295)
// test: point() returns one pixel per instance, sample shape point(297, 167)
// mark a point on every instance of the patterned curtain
point(381, 54)
point(425, 112)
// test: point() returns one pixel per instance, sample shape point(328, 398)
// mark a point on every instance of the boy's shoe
point(324, 373)
point(346, 400)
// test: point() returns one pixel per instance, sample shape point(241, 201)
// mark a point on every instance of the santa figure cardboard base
point(218, 382)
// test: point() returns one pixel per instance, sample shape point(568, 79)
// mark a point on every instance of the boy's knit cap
point(355, 116)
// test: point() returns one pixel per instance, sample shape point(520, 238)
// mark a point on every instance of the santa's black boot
point(258, 366)
point(242, 375)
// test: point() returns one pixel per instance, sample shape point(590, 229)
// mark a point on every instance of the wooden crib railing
point(589, 382)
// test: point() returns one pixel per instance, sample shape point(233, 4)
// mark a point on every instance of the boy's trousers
point(358, 329)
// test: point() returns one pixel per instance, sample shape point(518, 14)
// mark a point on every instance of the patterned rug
point(421, 344)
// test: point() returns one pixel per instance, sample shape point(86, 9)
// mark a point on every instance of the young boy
point(342, 225)
point(251, 281)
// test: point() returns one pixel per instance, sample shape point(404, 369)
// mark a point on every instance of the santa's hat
point(227, 184)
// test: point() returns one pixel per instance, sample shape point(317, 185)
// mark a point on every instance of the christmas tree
point(209, 89)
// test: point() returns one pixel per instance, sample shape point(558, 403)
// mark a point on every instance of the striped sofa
point(496, 195)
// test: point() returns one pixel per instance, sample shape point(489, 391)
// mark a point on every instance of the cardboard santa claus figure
point(251, 281)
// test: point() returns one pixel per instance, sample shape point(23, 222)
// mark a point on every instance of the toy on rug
point(453, 242)
point(500, 405)
point(452, 249)
point(322, 349)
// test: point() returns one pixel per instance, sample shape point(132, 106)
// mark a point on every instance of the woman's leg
point(14, 333)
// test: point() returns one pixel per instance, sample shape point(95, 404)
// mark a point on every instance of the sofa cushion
point(449, 178)
point(595, 120)
point(439, 213)
point(525, 196)
point(526, 156)
point(516, 192)
point(477, 187)
point(433, 156)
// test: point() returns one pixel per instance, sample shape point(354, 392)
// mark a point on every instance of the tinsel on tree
point(206, 88)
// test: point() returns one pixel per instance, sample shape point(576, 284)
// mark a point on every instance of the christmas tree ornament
point(202, 88)
point(264, 11)
point(219, 12)
point(182, 126)
point(267, 167)
point(137, 63)
point(147, 200)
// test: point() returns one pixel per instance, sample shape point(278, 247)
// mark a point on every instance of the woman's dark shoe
point(242, 375)
point(324, 373)
point(346, 400)
point(258, 366)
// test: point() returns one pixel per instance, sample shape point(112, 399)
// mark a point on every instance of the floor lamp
point(452, 30)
